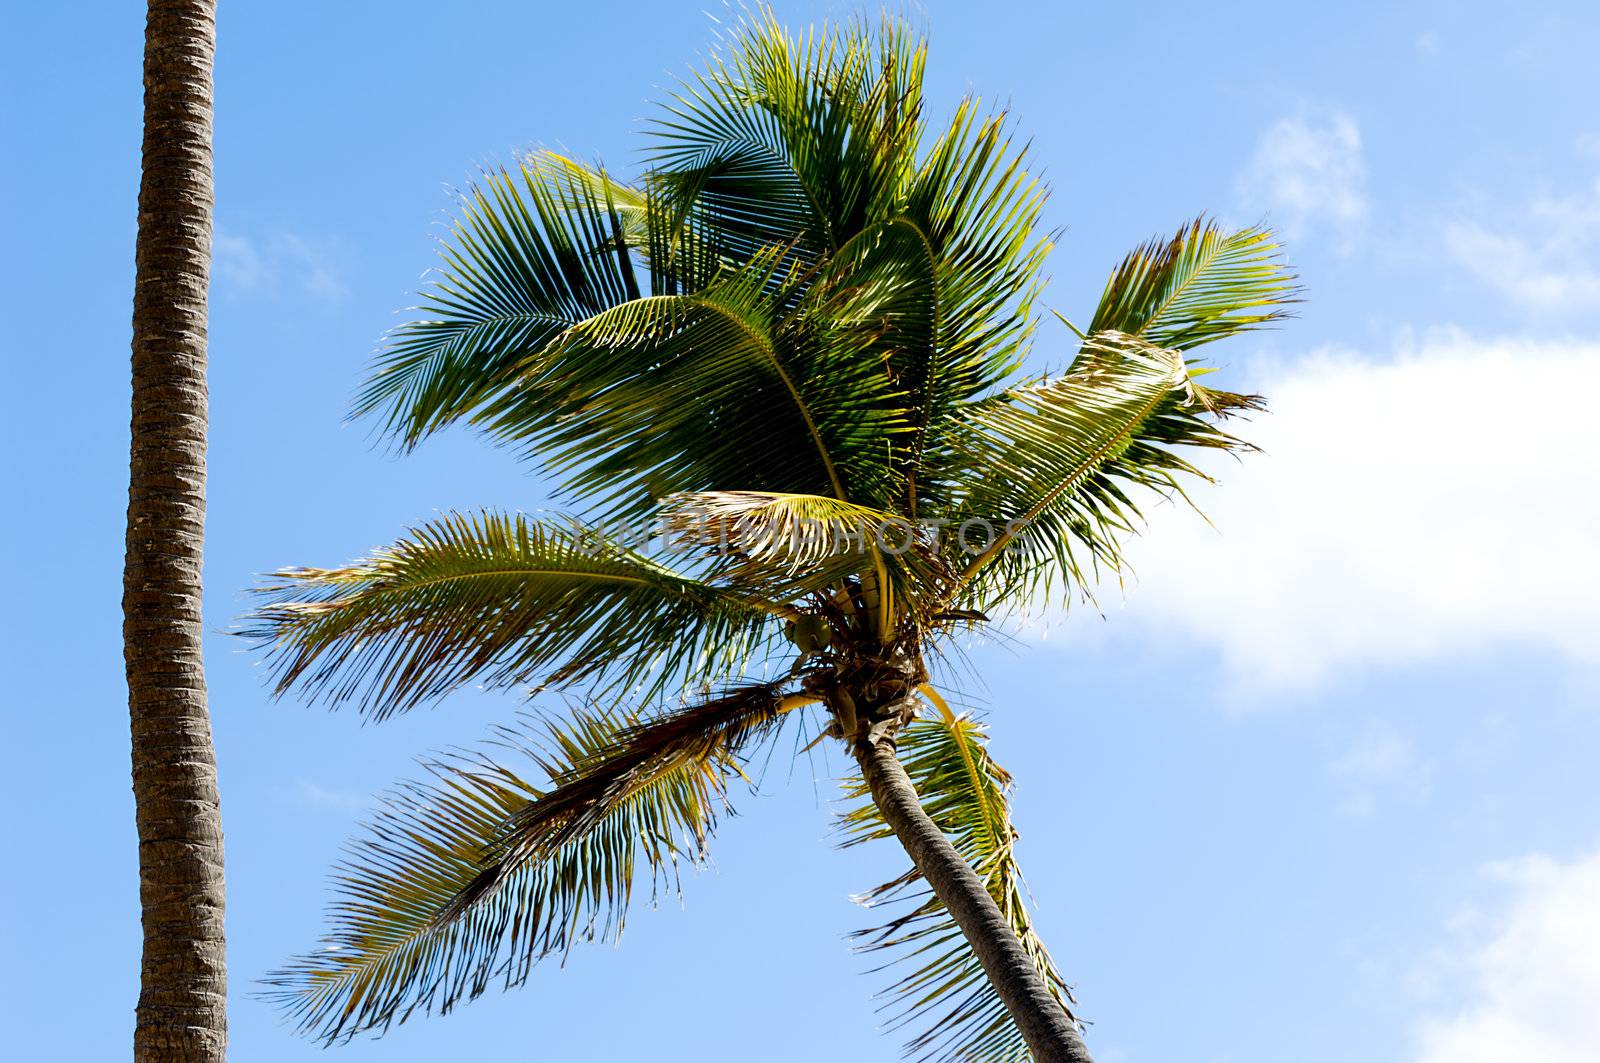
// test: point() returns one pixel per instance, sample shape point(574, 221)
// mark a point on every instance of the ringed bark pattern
point(181, 1013)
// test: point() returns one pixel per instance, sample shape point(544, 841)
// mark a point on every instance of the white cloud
point(1380, 762)
point(1527, 991)
point(246, 266)
point(1308, 175)
point(1435, 502)
point(1542, 256)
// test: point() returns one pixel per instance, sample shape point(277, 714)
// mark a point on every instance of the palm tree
point(182, 1012)
point(791, 349)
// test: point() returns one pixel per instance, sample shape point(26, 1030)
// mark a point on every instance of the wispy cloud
point(1308, 175)
point(1543, 255)
point(1526, 989)
point(235, 261)
point(248, 266)
point(1380, 763)
point(1432, 502)
point(315, 794)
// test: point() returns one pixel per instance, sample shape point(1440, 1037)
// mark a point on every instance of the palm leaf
point(794, 140)
point(475, 875)
point(677, 393)
point(533, 253)
point(1051, 464)
point(633, 756)
point(783, 546)
point(929, 264)
point(978, 209)
point(680, 256)
point(1203, 284)
point(944, 287)
point(506, 600)
point(945, 991)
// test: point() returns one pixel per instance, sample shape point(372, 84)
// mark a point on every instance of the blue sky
point(1318, 786)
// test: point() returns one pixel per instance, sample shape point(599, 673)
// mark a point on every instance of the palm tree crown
point(791, 347)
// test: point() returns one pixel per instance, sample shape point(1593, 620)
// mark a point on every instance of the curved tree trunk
point(1051, 1035)
point(183, 982)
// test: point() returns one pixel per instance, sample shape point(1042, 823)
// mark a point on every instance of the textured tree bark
point(1051, 1034)
point(182, 1012)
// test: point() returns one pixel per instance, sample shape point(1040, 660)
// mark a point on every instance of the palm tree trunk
point(182, 1012)
point(1052, 1036)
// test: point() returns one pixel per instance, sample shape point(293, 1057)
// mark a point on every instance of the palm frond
point(1203, 284)
point(945, 286)
point(506, 600)
point(679, 255)
point(786, 545)
point(794, 140)
point(533, 253)
point(1051, 464)
point(981, 210)
point(946, 992)
point(634, 755)
point(929, 261)
point(473, 876)
point(676, 393)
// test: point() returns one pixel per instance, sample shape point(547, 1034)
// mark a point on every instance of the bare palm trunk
point(182, 1012)
point(1052, 1036)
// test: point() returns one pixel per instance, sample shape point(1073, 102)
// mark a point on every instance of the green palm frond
point(678, 255)
point(633, 756)
point(675, 393)
point(1051, 463)
point(506, 600)
point(1203, 284)
point(946, 991)
point(533, 253)
point(979, 208)
point(945, 286)
point(472, 877)
point(792, 140)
